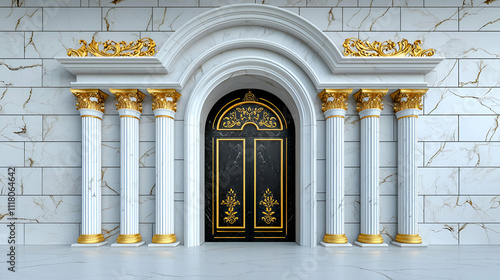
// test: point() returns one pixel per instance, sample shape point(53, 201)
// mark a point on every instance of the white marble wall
point(459, 139)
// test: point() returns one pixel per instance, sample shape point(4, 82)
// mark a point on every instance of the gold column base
point(408, 238)
point(129, 238)
point(90, 238)
point(164, 238)
point(370, 238)
point(335, 238)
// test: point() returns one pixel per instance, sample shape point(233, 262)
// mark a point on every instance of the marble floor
point(254, 261)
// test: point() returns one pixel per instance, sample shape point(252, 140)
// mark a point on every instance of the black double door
point(249, 169)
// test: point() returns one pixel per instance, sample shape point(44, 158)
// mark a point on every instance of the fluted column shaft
point(129, 106)
point(334, 108)
point(91, 107)
point(164, 107)
point(407, 105)
point(369, 106)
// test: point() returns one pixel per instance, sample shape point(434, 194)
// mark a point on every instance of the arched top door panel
point(249, 110)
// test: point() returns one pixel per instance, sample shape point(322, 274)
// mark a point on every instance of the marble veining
point(258, 260)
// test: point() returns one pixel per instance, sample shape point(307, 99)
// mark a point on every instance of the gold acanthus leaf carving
point(242, 115)
point(142, 47)
point(370, 99)
point(408, 99)
point(230, 201)
point(334, 98)
point(128, 99)
point(90, 99)
point(387, 48)
point(164, 98)
point(269, 202)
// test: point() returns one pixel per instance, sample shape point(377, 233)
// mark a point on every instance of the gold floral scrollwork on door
point(242, 115)
point(230, 201)
point(269, 203)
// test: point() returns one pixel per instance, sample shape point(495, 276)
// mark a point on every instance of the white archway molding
point(254, 44)
point(247, 15)
point(297, 85)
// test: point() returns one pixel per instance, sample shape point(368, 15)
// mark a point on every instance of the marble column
point(164, 108)
point(334, 108)
point(369, 106)
point(129, 106)
point(90, 104)
point(407, 105)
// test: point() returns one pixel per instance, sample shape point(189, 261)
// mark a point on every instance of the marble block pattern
point(458, 131)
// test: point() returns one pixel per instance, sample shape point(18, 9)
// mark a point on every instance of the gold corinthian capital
point(408, 99)
point(370, 99)
point(90, 99)
point(334, 98)
point(128, 99)
point(164, 98)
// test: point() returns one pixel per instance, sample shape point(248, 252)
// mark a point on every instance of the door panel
point(268, 183)
point(249, 169)
point(230, 191)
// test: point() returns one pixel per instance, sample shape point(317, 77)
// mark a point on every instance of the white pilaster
point(91, 107)
point(164, 107)
point(407, 105)
point(129, 108)
point(334, 107)
point(369, 106)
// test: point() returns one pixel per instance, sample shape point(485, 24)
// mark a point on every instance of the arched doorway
point(249, 169)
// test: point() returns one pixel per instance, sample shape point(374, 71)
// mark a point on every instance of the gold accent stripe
point(268, 231)
point(90, 238)
point(129, 238)
point(370, 116)
point(164, 238)
point(334, 116)
point(370, 238)
point(230, 231)
point(129, 116)
point(90, 116)
point(270, 237)
point(408, 238)
point(409, 116)
point(164, 116)
point(335, 238)
point(229, 237)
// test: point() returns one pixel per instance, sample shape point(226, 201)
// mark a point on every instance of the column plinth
point(407, 105)
point(164, 108)
point(334, 108)
point(369, 107)
point(90, 104)
point(129, 106)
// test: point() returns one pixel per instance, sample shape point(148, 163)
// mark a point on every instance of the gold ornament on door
point(269, 203)
point(230, 201)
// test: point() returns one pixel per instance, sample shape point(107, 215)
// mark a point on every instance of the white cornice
point(112, 65)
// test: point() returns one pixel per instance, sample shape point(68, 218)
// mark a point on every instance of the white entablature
point(240, 46)
point(229, 33)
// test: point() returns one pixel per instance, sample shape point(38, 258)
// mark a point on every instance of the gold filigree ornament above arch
point(357, 47)
point(142, 47)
